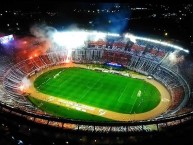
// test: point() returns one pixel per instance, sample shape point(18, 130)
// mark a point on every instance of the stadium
point(92, 82)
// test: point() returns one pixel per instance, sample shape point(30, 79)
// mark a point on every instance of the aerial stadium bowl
point(130, 84)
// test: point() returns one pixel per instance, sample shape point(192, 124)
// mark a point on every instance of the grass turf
point(104, 90)
point(64, 112)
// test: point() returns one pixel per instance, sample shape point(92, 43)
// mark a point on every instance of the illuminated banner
point(114, 65)
point(6, 39)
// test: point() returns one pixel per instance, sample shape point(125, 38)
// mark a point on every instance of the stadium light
point(131, 37)
point(134, 38)
point(74, 39)
point(70, 39)
point(6, 39)
point(113, 34)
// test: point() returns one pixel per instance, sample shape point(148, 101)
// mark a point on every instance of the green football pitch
point(98, 89)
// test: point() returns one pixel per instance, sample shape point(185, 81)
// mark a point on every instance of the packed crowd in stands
point(142, 57)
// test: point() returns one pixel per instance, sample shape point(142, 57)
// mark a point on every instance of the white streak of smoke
point(175, 57)
point(26, 83)
point(42, 31)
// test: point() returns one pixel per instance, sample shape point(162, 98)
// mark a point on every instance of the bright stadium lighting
point(75, 39)
point(155, 41)
point(94, 35)
point(113, 34)
point(131, 37)
point(6, 39)
point(70, 39)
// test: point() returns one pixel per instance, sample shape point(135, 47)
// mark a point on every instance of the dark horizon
point(59, 4)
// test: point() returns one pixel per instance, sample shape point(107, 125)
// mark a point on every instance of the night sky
point(59, 4)
point(35, 11)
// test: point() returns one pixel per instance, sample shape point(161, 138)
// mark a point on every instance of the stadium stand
point(143, 57)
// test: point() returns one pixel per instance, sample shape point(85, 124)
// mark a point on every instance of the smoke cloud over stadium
point(65, 39)
point(42, 31)
point(175, 57)
point(111, 21)
point(70, 38)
